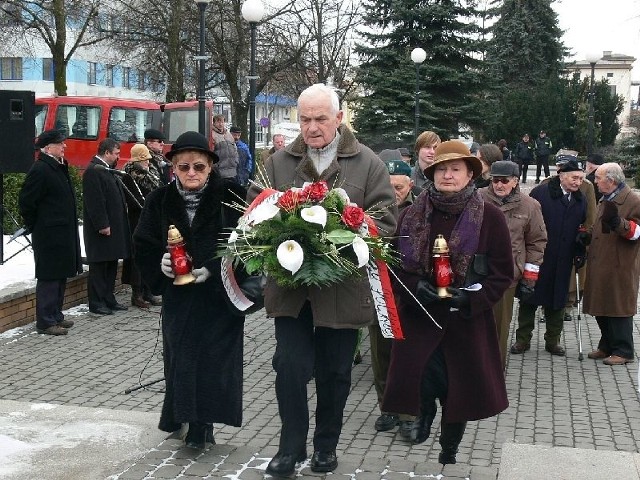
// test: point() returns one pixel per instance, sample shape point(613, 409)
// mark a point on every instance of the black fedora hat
point(192, 141)
point(48, 137)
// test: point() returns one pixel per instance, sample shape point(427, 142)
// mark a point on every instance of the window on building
point(126, 77)
point(11, 68)
point(108, 76)
point(48, 72)
point(141, 79)
point(91, 78)
point(612, 89)
point(610, 75)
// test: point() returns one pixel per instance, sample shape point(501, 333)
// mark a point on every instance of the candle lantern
point(180, 259)
point(442, 272)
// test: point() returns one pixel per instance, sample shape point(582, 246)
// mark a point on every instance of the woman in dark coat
point(202, 340)
point(459, 363)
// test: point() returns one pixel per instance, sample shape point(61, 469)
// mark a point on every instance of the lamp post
point(252, 12)
point(202, 6)
point(418, 55)
point(592, 58)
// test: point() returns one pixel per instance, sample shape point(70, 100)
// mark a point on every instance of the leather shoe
point(617, 360)
point(118, 307)
point(101, 310)
point(53, 330)
point(284, 464)
point(567, 317)
point(66, 323)
point(386, 422)
point(555, 350)
point(140, 302)
point(519, 348)
point(597, 354)
point(154, 300)
point(322, 462)
point(405, 429)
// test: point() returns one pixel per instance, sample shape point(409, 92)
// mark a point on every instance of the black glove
point(459, 298)
point(610, 218)
point(426, 293)
point(525, 290)
point(583, 239)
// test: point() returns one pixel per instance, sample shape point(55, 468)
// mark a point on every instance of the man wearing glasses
point(158, 165)
point(528, 240)
point(48, 206)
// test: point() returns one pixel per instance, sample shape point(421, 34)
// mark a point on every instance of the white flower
point(233, 237)
point(262, 212)
point(343, 194)
point(362, 251)
point(290, 255)
point(315, 214)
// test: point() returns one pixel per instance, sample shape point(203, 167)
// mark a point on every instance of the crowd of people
point(465, 204)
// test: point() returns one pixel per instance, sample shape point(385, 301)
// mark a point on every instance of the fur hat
point(190, 141)
point(398, 167)
point(569, 166)
point(140, 153)
point(48, 137)
point(454, 150)
point(152, 133)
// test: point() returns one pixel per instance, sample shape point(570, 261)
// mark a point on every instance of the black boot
point(422, 425)
point(197, 435)
point(450, 438)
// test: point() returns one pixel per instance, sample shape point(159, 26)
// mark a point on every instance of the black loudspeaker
point(17, 130)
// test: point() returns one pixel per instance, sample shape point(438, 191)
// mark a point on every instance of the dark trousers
point(49, 300)
point(542, 161)
point(616, 335)
point(554, 321)
point(524, 166)
point(299, 348)
point(101, 282)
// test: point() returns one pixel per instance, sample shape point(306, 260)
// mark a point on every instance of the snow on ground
point(18, 268)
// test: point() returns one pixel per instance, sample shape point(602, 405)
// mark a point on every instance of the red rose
point(289, 200)
point(352, 216)
point(316, 191)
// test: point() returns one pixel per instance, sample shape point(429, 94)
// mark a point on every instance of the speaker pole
point(2, 217)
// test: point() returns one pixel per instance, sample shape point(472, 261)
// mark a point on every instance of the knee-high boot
point(421, 429)
point(450, 438)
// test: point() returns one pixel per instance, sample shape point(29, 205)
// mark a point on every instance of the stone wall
point(18, 304)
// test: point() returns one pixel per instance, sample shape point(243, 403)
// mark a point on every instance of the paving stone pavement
point(554, 402)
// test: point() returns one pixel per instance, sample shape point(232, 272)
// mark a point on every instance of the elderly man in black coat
point(107, 237)
point(48, 206)
point(564, 210)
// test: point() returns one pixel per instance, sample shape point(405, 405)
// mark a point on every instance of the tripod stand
point(20, 232)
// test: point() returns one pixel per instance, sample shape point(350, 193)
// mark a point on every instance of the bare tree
point(48, 21)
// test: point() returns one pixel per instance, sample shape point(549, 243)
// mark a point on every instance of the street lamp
point(592, 58)
point(252, 12)
point(418, 55)
point(202, 6)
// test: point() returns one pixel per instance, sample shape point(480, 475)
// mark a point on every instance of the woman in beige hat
point(457, 362)
point(140, 182)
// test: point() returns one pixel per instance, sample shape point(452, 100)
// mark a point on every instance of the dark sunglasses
point(185, 167)
point(502, 180)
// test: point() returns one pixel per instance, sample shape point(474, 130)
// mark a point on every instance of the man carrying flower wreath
point(316, 328)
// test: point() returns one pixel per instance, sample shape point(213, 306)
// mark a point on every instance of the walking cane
point(580, 355)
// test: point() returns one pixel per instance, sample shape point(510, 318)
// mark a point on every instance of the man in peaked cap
point(47, 204)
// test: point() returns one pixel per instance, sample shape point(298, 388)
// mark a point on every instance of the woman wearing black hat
point(202, 339)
